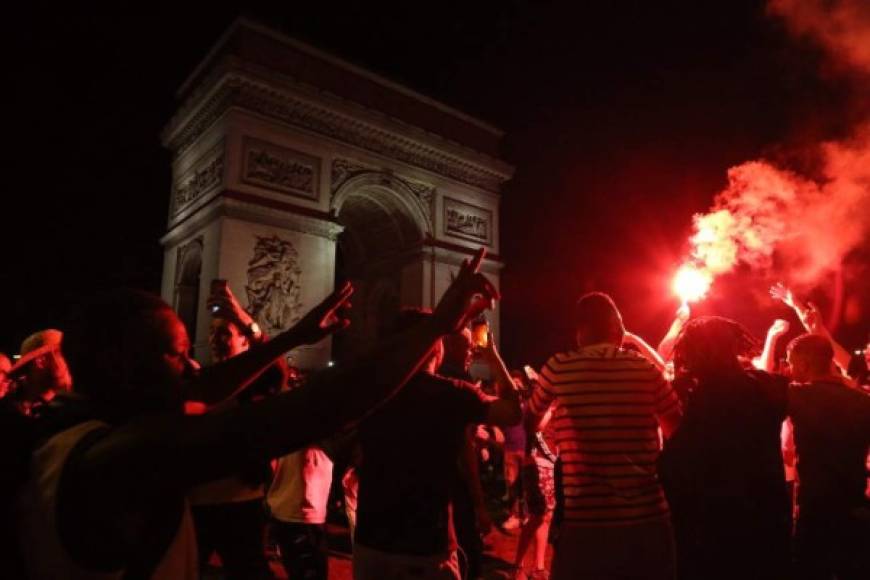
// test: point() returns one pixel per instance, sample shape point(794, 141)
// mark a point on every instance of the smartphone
point(218, 286)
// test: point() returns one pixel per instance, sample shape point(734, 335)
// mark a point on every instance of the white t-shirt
point(300, 489)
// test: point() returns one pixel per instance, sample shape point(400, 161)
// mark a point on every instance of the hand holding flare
point(691, 283)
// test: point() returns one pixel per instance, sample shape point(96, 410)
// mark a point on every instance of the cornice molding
point(246, 207)
point(233, 90)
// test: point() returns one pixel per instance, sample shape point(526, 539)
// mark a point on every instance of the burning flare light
point(781, 223)
point(691, 283)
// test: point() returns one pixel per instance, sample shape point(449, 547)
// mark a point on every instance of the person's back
point(297, 502)
point(832, 435)
point(409, 454)
point(731, 431)
point(725, 478)
point(410, 449)
point(723, 469)
point(610, 405)
point(832, 432)
point(607, 433)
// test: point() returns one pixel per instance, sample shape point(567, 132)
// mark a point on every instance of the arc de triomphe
point(293, 170)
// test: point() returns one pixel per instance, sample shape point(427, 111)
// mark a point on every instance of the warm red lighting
point(691, 283)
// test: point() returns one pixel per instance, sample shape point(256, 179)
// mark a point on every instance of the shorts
point(539, 487)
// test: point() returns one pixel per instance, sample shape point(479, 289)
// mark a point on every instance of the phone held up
point(218, 286)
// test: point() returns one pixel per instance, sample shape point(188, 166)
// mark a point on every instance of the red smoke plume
point(840, 26)
point(769, 215)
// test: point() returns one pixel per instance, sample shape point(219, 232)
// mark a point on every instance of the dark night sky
point(622, 119)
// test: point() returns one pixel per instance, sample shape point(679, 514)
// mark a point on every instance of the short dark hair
point(597, 319)
point(816, 351)
point(99, 323)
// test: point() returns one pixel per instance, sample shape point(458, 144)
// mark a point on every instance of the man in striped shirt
point(610, 406)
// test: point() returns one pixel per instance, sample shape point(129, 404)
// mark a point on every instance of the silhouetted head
point(710, 345)
point(226, 339)
point(129, 352)
point(810, 357)
point(459, 349)
point(597, 320)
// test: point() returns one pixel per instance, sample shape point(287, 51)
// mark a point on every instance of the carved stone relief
point(205, 176)
point(274, 284)
point(344, 169)
point(273, 167)
point(466, 221)
point(426, 194)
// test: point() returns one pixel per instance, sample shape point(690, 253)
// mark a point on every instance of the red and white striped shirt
point(606, 429)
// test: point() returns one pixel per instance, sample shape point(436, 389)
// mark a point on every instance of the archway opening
point(380, 252)
point(187, 285)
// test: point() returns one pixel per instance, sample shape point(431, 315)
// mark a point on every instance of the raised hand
point(223, 304)
point(781, 292)
point(684, 312)
point(779, 327)
point(326, 318)
point(531, 374)
point(468, 295)
point(812, 320)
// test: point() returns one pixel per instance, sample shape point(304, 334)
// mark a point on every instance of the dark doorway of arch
point(380, 252)
point(187, 287)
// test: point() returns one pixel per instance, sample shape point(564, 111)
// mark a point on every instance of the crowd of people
point(702, 458)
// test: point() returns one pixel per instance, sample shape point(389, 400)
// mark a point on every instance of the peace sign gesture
point(468, 295)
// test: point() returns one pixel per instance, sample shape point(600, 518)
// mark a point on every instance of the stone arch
point(385, 226)
point(390, 191)
point(188, 273)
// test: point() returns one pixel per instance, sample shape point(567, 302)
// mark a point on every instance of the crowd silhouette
point(700, 458)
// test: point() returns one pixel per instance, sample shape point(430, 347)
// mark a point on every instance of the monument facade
point(294, 170)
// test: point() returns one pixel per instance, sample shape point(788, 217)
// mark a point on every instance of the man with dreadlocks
point(722, 470)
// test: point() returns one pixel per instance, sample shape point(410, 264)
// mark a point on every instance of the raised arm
point(506, 410)
point(666, 346)
point(540, 403)
point(164, 451)
point(647, 351)
point(225, 380)
point(813, 323)
point(783, 293)
point(811, 318)
point(767, 360)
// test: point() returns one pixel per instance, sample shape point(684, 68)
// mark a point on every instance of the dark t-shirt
point(409, 454)
point(831, 433)
point(725, 457)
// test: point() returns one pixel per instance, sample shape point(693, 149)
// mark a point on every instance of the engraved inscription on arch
point(273, 167)
point(468, 222)
point(205, 176)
